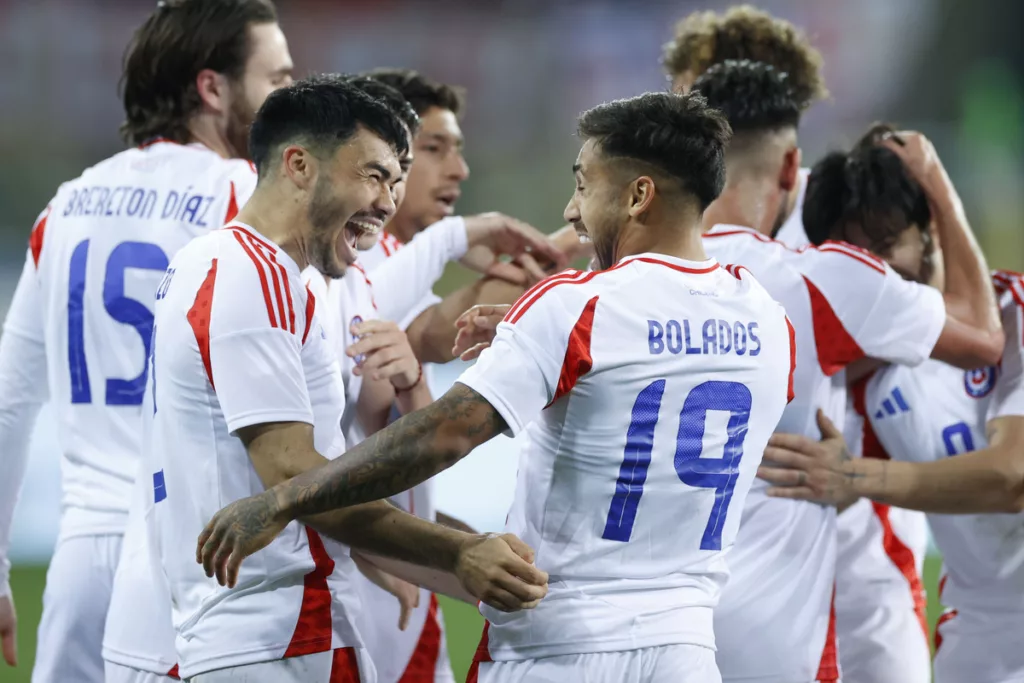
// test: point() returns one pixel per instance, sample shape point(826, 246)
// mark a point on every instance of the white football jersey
point(936, 411)
point(98, 252)
point(648, 392)
point(842, 302)
point(792, 232)
point(238, 342)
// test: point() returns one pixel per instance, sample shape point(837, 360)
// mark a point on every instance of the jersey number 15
point(719, 474)
point(119, 392)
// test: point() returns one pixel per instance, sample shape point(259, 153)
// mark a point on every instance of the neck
point(401, 227)
point(279, 218)
point(748, 202)
point(679, 238)
point(204, 129)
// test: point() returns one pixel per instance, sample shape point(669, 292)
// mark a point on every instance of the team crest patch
point(356, 319)
point(980, 382)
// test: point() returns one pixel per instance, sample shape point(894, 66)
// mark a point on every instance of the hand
point(506, 236)
point(818, 471)
point(476, 329)
point(499, 571)
point(408, 594)
point(920, 159)
point(9, 630)
point(236, 532)
point(387, 354)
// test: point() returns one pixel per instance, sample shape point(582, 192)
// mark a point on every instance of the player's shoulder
point(555, 295)
point(833, 260)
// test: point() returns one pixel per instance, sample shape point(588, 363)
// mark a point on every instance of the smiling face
point(353, 196)
point(596, 209)
point(436, 175)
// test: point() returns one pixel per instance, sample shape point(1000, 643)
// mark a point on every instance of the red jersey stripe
point(673, 266)
point(836, 347)
point(828, 668)
point(315, 629)
point(857, 256)
point(263, 278)
point(35, 239)
point(310, 308)
point(232, 209)
point(276, 274)
point(422, 665)
point(483, 654)
point(790, 394)
point(578, 360)
point(384, 245)
point(369, 285)
point(525, 303)
point(903, 557)
point(199, 318)
point(245, 230)
point(344, 666)
point(272, 254)
point(564, 275)
point(173, 673)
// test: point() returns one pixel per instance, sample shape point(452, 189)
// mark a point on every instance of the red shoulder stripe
point(577, 361)
point(263, 278)
point(369, 285)
point(856, 253)
point(526, 298)
point(199, 318)
point(35, 239)
point(232, 210)
point(515, 314)
point(279, 277)
point(310, 308)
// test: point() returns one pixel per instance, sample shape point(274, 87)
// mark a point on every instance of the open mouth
point(447, 200)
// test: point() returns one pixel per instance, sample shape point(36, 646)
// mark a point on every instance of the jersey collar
point(698, 267)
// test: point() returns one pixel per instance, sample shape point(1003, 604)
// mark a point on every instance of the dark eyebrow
point(380, 168)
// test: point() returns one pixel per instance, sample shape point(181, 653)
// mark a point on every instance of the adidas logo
point(892, 405)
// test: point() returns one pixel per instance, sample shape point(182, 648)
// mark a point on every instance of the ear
point(213, 90)
point(300, 166)
point(641, 195)
point(790, 172)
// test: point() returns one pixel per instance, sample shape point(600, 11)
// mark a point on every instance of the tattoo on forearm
point(404, 454)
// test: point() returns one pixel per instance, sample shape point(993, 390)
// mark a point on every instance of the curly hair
point(703, 39)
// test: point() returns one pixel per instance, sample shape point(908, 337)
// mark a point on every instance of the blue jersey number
point(127, 311)
point(949, 438)
point(715, 473)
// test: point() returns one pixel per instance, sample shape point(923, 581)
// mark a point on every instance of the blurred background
point(952, 69)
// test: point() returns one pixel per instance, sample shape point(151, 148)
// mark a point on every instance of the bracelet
point(419, 378)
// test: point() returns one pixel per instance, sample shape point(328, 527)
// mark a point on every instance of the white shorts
point(116, 673)
point(78, 585)
point(344, 665)
point(982, 648)
point(666, 664)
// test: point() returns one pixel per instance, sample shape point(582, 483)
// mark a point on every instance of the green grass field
point(462, 621)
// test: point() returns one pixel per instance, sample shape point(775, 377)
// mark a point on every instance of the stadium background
point(950, 68)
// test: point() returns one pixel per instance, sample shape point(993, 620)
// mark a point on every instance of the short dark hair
point(321, 113)
point(755, 97)
point(389, 96)
point(677, 134)
point(421, 92)
point(166, 53)
point(868, 188)
point(745, 32)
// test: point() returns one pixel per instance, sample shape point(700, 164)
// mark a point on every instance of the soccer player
point(79, 327)
point(246, 392)
point(921, 417)
point(626, 430)
point(438, 170)
point(703, 39)
point(842, 301)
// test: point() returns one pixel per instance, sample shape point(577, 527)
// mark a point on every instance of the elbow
point(990, 347)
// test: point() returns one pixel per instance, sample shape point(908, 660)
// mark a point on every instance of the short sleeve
point(522, 371)
point(1008, 398)
point(881, 315)
point(255, 341)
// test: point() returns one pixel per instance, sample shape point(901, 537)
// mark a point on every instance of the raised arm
point(972, 336)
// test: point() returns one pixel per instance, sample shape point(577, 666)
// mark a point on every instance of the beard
point(326, 212)
point(240, 118)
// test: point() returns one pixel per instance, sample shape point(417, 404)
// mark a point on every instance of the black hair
point(380, 91)
point(755, 97)
point(421, 92)
point(178, 40)
point(677, 134)
point(868, 190)
point(321, 112)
